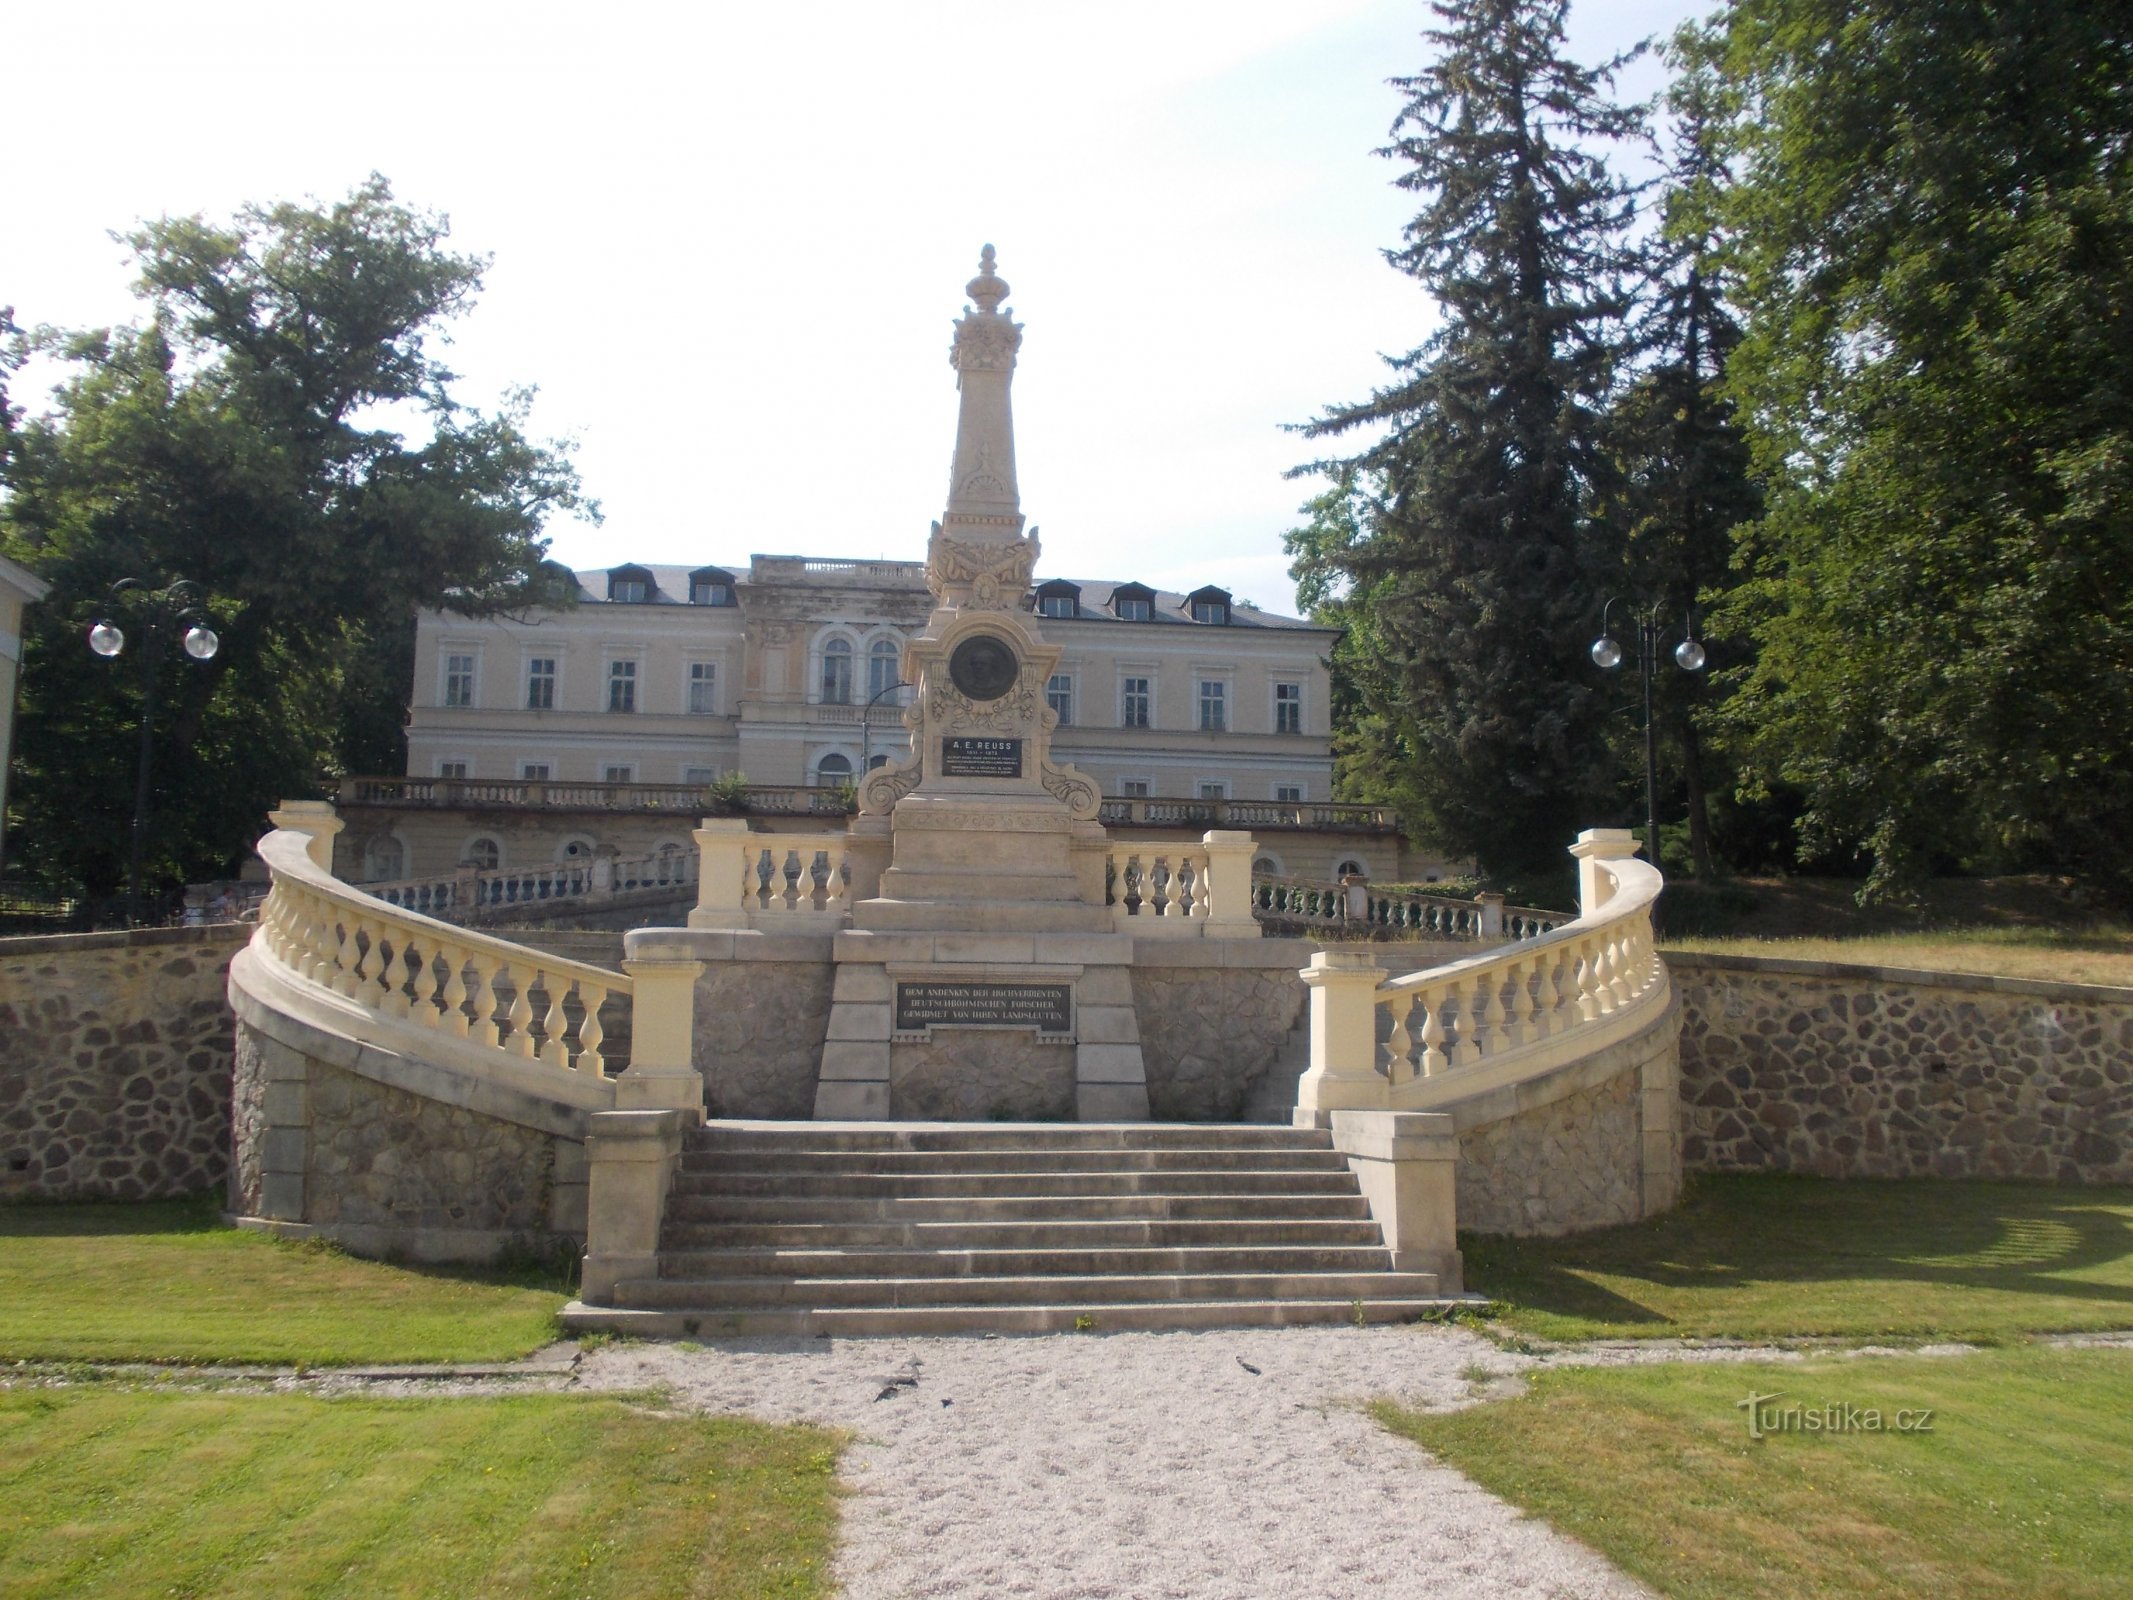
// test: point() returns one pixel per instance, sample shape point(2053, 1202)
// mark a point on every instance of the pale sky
point(730, 239)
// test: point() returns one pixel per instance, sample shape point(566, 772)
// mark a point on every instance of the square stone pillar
point(723, 848)
point(1407, 1163)
point(662, 1073)
point(1229, 885)
point(314, 817)
point(630, 1157)
point(1343, 1074)
point(1596, 885)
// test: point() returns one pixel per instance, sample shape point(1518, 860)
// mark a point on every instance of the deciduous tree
point(283, 432)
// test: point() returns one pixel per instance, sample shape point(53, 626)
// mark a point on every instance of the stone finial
point(988, 288)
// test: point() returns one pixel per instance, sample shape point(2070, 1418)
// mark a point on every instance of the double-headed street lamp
point(162, 612)
point(866, 726)
point(1689, 656)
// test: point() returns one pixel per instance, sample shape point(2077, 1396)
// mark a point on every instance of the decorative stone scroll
point(980, 575)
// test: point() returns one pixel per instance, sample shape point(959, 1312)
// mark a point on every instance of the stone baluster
point(487, 1001)
point(455, 1017)
point(591, 1031)
point(521, 1041)
point(555, 1050)
point(1434, 1060)
point(1399, 1048)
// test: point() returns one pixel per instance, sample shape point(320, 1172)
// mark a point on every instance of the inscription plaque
point(1047, 1007)
point(964, 756)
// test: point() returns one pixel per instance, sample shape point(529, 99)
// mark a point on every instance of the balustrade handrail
point(1574, 988)
point(401, 967)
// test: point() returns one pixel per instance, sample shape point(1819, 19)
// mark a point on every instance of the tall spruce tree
point(1933, 236)
point(1472, 551)
point(1681, 480)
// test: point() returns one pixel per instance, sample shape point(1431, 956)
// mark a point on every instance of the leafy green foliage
point(1932, 231)
point(1462, 556)
point(282, 433)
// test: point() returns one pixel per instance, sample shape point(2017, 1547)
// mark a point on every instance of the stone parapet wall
point(115, 1063)
point(327, 1151)
point(762, 1012)
point(1856, 1071)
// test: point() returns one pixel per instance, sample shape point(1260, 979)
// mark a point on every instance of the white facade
point(664, 675)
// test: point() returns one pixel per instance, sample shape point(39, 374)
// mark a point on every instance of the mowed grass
point(166, 1281)
point(114, 1492)
point(2022, 1489)
point(2103, 955)
point(1777, 1257)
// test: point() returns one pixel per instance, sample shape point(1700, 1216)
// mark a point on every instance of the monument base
point(982, 1025)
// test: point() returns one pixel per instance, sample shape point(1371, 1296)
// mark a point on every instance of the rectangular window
point(1214, 705)
point(540, 683)
point(458, 680)
point(628, 592)
point(451, 769)
point(1290, 794)
point(1209, 611)
point(622, 686)
point(1214, 788)
point(703, 688)
point(1134, 788)
point(700, 777)
point(618, 774)
point(1133, 610)
point(1133, 703)
point(533, 771)
point(1055, 605)
point(706, 593)
point(1288, 708)
point(1059, 695)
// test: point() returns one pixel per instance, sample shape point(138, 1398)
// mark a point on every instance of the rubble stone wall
point(115, 1062)
point(1854, 1071)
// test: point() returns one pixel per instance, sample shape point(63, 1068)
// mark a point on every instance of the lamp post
point(866, 726)
point(1689, 656)
point(162, 611)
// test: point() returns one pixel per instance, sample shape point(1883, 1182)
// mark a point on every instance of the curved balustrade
point(1434, 1036)
point(496, 887)
point(1362, 909)
point(398, 967)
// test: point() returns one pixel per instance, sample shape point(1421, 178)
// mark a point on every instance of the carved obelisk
point(984, 978)
point(984, 827)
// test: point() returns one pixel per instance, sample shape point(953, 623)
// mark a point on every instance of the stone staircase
point(920, 1228)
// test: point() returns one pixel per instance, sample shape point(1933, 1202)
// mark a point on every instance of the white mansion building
point(554, 734)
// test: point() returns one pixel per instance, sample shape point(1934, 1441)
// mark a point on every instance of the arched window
point(1267, 866)
point(837, 672)
point(575, 848)
point(484, 854)
point(1351, 868)
point(383, 859)
point(833, 769)
point(883, 656)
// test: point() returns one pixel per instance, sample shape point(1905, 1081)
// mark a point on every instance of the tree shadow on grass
point(37, 1218)
point(1740, 1229)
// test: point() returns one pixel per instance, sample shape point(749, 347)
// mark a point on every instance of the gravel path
point(1156, 1466)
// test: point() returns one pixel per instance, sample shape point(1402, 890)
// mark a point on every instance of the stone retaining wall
point(1855, 1071)
point(115, 1063)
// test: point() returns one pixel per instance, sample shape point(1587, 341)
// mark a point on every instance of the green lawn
point(1770, 1257)
point(165, 1281)
point(2023, 1487)
point(2099, 955)
point(118, 1492)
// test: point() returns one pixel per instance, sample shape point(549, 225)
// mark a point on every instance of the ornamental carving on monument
point(949, 707)
point(994, 575)
point(886, 785)
point(985, 344)
point(1072, 790)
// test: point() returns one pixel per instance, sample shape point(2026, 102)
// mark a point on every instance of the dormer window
point(709, 586)
point(629, 586)
point(1058, 599)
point(1208, 605)
point(1133, 602)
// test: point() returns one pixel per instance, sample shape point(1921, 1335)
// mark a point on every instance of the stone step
point(1064, 1316)
point(1069, 1233)
point(1099, 1262)
point(782, 1136)
point(976, 1185)
point(903, 1210)
point(1198, 1159)
point(1025, 1289)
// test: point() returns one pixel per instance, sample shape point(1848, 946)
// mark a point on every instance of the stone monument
point(984, 978)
